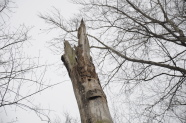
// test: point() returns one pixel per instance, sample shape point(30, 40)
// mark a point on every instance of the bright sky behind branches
point(59, 99)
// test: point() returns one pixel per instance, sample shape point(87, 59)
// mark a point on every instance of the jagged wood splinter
point(89, 94)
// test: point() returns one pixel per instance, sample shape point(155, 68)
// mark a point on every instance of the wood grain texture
point(89, 94)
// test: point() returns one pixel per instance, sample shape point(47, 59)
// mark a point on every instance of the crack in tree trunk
point(89, 94)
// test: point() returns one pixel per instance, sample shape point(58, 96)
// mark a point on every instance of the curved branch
point(183, 71)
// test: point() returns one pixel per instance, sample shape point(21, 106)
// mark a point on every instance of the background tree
point(20, 76)
point(143, 42)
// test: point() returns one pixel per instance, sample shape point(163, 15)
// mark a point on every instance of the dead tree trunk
point(89, 94)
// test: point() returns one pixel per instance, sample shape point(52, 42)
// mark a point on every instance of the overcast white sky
point(61, 98)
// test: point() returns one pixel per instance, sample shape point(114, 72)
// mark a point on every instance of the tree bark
point(89, 94)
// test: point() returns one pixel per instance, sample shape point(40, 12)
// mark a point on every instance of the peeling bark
point(89, 94)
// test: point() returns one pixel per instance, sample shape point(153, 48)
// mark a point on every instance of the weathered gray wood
point(90, 97)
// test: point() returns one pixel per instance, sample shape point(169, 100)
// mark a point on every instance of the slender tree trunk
point(89, 94)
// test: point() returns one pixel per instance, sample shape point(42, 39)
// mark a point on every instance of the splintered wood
point(89, 94)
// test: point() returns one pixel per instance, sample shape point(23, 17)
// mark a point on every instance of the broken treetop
point(89, 94)
point(82, 50)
